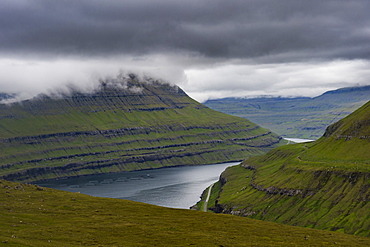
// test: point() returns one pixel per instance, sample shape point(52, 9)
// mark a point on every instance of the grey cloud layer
point(211, 48)
point(276, 31)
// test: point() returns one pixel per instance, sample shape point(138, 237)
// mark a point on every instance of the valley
point(322, 184)
point(300, 117)
point(131, 125)
point(184, 123)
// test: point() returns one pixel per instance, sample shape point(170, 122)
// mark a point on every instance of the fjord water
point(298, 140)
point(175, 187)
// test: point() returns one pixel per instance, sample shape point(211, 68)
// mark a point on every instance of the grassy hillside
point(323, 184)
point(126, 124)
point(34, 216)
point(296, 117)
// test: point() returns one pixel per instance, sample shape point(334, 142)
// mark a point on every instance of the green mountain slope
point(126, 124)
point(323, 184)
point(296, 117)
point(34, 216)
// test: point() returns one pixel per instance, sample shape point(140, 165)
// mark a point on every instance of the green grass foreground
point(34, 216)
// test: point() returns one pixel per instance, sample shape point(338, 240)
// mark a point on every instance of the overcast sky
point(210, 48)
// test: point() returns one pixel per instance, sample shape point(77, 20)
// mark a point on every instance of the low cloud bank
point(288, 79)
point(200, 81)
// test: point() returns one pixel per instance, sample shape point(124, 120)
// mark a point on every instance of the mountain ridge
point(300, 117)
point(347, 89)
point(127, 124)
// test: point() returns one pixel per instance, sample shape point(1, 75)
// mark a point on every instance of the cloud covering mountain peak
point(172, 39)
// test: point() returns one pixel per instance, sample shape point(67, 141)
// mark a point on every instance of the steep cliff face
point(126, 124)
point(323, 184)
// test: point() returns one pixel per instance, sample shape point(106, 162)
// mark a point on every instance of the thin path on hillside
point(207, 199)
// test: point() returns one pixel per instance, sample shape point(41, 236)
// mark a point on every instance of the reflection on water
point(176, 187)
point(298, 140)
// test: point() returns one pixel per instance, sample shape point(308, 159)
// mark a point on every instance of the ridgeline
point(301, 117)
point(323, 184)
point(126, 124)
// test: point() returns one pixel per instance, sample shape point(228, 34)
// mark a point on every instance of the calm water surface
point(176, 187)
point(298, 140)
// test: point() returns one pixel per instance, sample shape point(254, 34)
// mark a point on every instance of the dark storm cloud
point(211, 48)
point(283, 30)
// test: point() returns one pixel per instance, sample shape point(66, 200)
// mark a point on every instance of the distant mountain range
point(125, 124)
point(300, 117)
point(322, 184)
